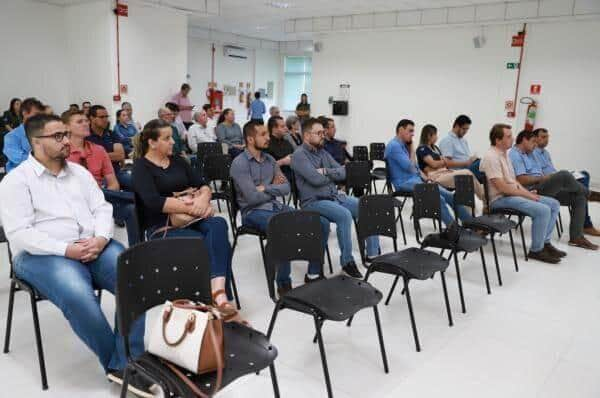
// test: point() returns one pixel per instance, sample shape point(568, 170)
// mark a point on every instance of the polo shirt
point(545, 161)
point(425, 150)
point(454, 147)
point(108, 141)
point(279, 148)
point(524, 163)
point(336, 150)
point(496, 164)
point(257, 109)
point(94, 158)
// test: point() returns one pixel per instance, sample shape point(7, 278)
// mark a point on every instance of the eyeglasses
point(58, 136)
point(320, 132)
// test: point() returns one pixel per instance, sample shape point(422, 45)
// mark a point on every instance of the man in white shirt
point(200, 131)
point(59, 228)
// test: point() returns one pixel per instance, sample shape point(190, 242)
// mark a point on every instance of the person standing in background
point(303, 108)
point(12, 117)
point(257, 109)
point(182, 100)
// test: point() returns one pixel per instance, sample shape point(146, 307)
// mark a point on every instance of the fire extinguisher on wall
point(531, 112)
point(215, 98)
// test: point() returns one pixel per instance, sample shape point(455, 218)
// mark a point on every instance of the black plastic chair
point(402, 197)
point(216, 168)
point(360, 153)
point(507, 212)
point(427, 204)
point(168, 269)
point(17, 285)
point(297, 236)
point(206, 148)
point(490, 224)
point(376, 217)
point(377, 152)
point(358, 178)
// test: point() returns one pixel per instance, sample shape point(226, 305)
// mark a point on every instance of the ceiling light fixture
point(278, 4)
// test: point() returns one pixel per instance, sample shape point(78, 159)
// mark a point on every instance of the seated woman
point(159, 173)
point(433, 164)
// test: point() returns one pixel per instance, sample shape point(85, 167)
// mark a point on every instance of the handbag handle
point(190, 325)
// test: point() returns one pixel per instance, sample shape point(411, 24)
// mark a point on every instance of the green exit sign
point(512, 65)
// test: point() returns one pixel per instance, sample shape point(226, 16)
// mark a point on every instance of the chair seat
point(336, 298)
point(402, 194)
point(378, 173)
point(247, 230)
point(413, 263)
point(508, 211)
point(492, 222)
point(468, 241)
point(246, 351)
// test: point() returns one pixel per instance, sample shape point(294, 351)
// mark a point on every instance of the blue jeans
point(259, 219)
point(586, 183)
point(543, 216)
point(124, 210)
point(68, 285)
point(446, 201)
point(343, 212)
point(474, 167)
point(125, 180)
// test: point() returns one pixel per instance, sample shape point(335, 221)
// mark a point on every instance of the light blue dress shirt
point(16, 147)
point(454, 147)
point(545, 161)
point(524, 163)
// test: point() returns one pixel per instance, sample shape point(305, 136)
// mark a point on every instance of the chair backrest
point(293, 235)
point(376, 151)
point(139, 217)
point(216, 167)
point(358, 175)
point(464, 193)
point(486, 190)
point(205, 148)
point(376, 216)
point(360, 153)
point(294, 189)
point(234, 207)
point(159, 270)
point(426, 204)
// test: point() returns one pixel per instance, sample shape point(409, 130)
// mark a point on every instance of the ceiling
point(260, 19)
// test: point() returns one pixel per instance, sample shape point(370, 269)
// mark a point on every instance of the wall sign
point(509, 105)
point(536, 89)
point(512, 65)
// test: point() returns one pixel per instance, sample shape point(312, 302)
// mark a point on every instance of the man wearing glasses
point(59, 228)
point(316, 174)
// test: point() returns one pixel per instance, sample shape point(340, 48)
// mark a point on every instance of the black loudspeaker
point(340, 108)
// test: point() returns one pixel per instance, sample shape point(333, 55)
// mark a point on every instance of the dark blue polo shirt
point(107, 141)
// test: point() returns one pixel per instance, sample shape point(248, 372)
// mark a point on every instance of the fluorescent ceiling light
point(278, 4)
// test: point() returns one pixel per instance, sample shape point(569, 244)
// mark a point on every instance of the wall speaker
point(479, 41)
point(318, 46)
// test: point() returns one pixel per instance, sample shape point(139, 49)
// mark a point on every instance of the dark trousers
point(563, 185)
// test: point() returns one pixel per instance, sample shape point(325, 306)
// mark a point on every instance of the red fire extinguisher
point(215, 98)
point(531, 112)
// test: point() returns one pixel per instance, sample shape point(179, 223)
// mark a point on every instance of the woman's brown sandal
point(227, 310)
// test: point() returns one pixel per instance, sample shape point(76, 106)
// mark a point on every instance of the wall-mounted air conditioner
point(235, 52)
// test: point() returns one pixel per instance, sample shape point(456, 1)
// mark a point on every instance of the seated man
point(404, 174)
point(170, 114)
point(200, 131)
point(112, 143)
point(316, 174)
point(455, 147)
point(506, 192)
point(545, 161)
point(16, 146)
point(59, 228)
point(529, 174)
point(335, 147)
point(279, 147)
point(259, 182)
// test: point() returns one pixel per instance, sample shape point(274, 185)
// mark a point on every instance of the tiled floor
point(534, 337)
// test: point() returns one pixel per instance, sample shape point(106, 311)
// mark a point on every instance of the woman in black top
point(156, 176)
point(434, 165)
point(303, 108)
point(12, 117)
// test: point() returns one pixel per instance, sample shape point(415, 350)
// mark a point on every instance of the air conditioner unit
point(235, 52)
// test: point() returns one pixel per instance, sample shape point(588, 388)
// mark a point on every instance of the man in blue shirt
point(545, 160)
point(404, 174)
point(16, 146)
point(529, 174)
point(257, 109)
point(316, 174)
point(455, 147)
point(259, 182)
point(335, 147)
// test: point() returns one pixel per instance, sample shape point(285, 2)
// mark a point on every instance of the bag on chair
point(190, 336)
point(180, 220)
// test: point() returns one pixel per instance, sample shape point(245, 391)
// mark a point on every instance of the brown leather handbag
point(180, 220)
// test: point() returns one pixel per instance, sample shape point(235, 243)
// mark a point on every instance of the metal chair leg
point(460, 287)
point(485, 272)
point(273, 319)
point(381, 343)
point(366, 279)
point(387, 301)
point(329, 259)
point(514, 251)
point(274, 381)
point(523, 239)
point(38, 341)
point(11, 304)
point(402, 228)
point(496, 261)
point(446, 300)
point(412, 315)
point(125, 382)
point(235, 292)
point(323, 358)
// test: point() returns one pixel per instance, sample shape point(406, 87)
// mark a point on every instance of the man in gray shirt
point(316, 174)
point(259, 182)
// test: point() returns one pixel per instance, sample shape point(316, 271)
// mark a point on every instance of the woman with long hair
point(12, 116)
point(229, 132)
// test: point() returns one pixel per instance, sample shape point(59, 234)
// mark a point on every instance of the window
point(297, 80)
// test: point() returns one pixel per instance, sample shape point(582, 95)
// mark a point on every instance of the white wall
point(34, 61)
point(432, 75)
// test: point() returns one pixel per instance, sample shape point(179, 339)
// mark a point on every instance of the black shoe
point(136, 384)
point(554, 251)
point(351, 270)
point(311, 280)
point(544, 256)
point(284, 288)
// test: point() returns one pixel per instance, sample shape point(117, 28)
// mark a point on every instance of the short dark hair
point(497, 132)
point(539, 130)
point(95, 108)
point(86, 102)
point(34, 126)
point(272, 122)
point(173, 107)
point(30, 104)
point(67, 115)
point(426, 132)
point(151, 131)
point(404, 123)
point(74, 106)
point(324, 120)
point(119, 113)
point(257, 94)
point(524, 135)
point(309, 123)
point(250, 129)
point(461, 120)
point(206, 107)
point(185, 86)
